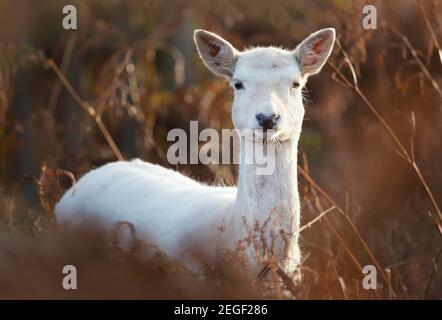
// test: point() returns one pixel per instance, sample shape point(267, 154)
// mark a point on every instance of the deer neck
point(273, 196)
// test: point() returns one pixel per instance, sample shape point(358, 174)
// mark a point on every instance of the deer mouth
point(267, 135)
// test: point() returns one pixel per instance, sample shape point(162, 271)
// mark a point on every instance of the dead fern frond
point(49, 188)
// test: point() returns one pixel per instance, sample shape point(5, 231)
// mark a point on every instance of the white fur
point(177, 213)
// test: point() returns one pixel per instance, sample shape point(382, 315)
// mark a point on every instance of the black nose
point(267, 122)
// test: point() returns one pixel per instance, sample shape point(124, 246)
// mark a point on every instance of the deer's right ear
point(218, 54)
point(313, 52)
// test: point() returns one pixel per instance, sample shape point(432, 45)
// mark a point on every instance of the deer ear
point(312, 53)
point(217, 54)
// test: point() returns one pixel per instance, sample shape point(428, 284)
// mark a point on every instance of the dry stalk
point(409, 158)
point(86, 107)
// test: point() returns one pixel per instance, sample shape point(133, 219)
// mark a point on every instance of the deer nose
point(267, 122)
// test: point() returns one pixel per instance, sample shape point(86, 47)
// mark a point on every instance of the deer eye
point(238, 85)
point(295, 84)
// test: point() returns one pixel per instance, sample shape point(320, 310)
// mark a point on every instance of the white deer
point(176, 213)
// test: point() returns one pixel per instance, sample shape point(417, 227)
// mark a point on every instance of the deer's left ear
point(217, 54)
point(312, 53)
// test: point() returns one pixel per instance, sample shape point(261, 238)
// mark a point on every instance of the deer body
point(177, 213)
point(167, 208)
